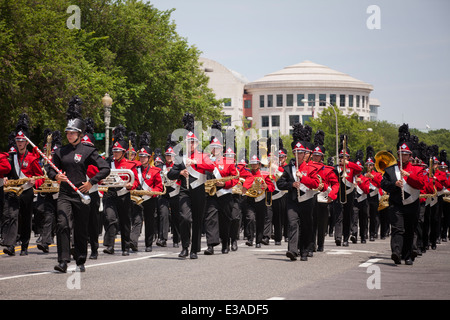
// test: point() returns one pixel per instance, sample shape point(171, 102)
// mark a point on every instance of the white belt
point(323, 196)
point(413, 193)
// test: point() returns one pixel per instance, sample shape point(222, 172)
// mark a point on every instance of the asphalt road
point(357, 272)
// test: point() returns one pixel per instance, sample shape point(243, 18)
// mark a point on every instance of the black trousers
point(445, 229)
point(117, 210)
point(343, 214)
point(17, 215)
point(149, 207)
point(46, 207)
point(435, 232)
point(94, 220)
point(137, 221)
point(192, 208)
point(255, 217)
point(374, 217)
point(72, 216)
point(239, 206)
point(385, 226)
point(170, 207)
point(320, 223)
point(402, 228)
point(418, 229)
point(218, 217)
point(360, 218)
point(300, 215)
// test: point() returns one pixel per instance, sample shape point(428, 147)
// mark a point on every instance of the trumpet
point(210, 185)
point(116, 180)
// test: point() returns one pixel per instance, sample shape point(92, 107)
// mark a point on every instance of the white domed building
point(278, 99)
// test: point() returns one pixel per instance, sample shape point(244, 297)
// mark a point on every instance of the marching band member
point(343, 208)
point(5, 168)
point(299, 180)
point(403, 183)
point(278, 197)
point(117, 201)
point(191, 169)
point(240, 201)
point(327, 192)
point(441, 174)
point(361, 206)
point(219, 204)
point(150, 180)
point(48, 204)
point(73, 160)
point(18, 209)
point(435, 217)
point(94, 215)
point(168, 203)
point(256, 207)
point(373, 198)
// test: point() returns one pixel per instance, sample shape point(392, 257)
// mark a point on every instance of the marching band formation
point(73, 193)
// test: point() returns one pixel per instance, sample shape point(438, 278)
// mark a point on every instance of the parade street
point(359, 271)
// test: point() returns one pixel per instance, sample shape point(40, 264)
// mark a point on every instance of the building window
point(350, 100)
point(269, 100)
point(227, 102)
point(227, 120)
point(247, 104)
point(289, 100)
point(279, 100)
point(342, 100)
point(332, 99)
point(312, 98)
point(293, 119)
point(275, 121)
point(300, 97)
point(305, 118)
point(357, 101)
point(264, 121)
point(261, 101)
point(363, 102)
point(322, 100)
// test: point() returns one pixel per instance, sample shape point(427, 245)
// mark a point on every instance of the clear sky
point(407, 59)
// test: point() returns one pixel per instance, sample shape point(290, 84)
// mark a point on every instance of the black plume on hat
point(217, 125)
point(297, 134)
point(370, 153)
point(360, 156)
point(12, 142)
point(56, 139)
point(144, 142)
point(422, 151)
point(132, 137)
point(74, 110)
point(23, 124)
point(188, 121)
point(443, 156)
point(404, 136)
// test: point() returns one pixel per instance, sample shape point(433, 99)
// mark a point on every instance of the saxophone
point(210, 185)
point(16, 186)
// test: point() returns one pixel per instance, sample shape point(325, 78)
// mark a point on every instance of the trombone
point(271, 158)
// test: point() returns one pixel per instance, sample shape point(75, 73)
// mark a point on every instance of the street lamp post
point(107, 104)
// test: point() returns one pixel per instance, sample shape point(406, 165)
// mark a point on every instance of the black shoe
point(24, 252)
point(345, 244)
point(353, 239)
point(94, 255)
point(234, 245)
point(303, 258)
point(225, 249)
point(258, 245)
point(61, 267)
point(133, 247)
point(149, 249)
point(176, 245)
point(363, 240)
point(193, 255)
point(183, 253)
point(338, 242)
point(433, 246)
point(265, 241)
point(320, 249)
point(163, 243)
point(80, 268)
point(209, 251)
point(396, 258)
point(291, 255)
point(372, 238)
point(408, 262)
point(310, 254)
point(126, 252)
point(10, 251)
point(278, 243)
point(43, 247)
point(249, 243)
point(109, 250)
